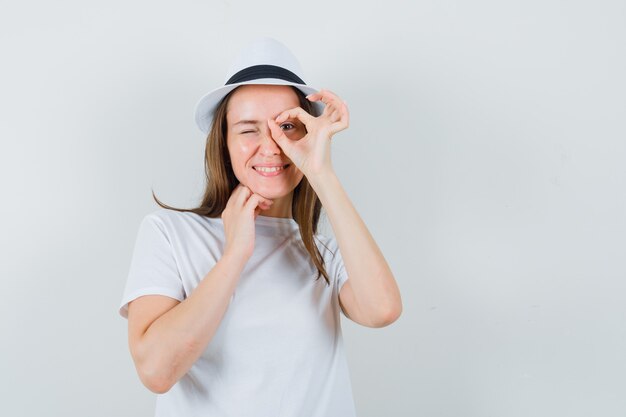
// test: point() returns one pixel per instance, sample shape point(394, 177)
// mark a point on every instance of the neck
point(280, 208)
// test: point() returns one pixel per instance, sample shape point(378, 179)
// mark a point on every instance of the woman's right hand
point(241, 210)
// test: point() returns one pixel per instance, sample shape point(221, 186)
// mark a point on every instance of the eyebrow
point(247, 122)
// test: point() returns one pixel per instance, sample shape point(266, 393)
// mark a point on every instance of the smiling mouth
point(271, 169)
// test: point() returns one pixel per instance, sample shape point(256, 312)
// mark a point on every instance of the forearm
point(371, 278)
point(174, 341)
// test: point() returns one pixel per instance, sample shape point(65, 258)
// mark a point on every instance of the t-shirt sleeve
point(339, 269)
point(153, 268)
point(341, 273)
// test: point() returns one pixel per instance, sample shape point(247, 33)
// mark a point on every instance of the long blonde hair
point(221, 181)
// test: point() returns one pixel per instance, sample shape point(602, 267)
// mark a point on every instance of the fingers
point(334, 114)
point(338, 127)
point(280, 138)
point(327, 97)
point(247, 196)
point(256, 203)
point(335, 117)
point(242, 195)
point(237, 197)
point(335, 108)
point(298, 113)
point(339, 119)
point(277, 133)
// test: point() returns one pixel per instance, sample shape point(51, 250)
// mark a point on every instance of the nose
point(267, 145)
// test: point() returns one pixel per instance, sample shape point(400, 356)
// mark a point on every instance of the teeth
point(268, 169)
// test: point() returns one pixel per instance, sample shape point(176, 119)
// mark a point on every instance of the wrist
point(233, 261)
point(318, 179)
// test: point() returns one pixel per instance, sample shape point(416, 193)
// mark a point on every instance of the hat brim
point(208, 103)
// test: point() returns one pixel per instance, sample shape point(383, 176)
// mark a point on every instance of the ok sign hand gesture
point(311, 153)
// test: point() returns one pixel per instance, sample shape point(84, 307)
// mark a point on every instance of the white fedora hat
point(263, 61)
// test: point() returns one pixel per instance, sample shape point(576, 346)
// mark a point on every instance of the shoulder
point(327, 245)
point(164, 215)
point(167, 215)
point(173, 221)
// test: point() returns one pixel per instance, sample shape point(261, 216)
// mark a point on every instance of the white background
point(486, 154)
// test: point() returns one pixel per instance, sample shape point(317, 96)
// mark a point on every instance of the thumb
point(279, 136)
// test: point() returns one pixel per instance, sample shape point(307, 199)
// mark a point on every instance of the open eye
point(287, 126)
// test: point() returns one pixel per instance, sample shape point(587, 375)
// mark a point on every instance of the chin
point(272, 191)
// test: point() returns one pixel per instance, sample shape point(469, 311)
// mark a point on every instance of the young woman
point(227, 314)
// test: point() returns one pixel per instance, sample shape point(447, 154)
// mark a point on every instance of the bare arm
point(370, 296)
point(166, 337)
point(165, 341)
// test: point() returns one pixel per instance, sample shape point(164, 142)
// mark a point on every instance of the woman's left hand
point(311, 153)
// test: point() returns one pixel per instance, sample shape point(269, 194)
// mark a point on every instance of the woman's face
point(251, 147)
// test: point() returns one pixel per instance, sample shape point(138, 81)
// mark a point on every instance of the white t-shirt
point(278, 351)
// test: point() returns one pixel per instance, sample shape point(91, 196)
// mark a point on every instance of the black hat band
point(264, 71)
